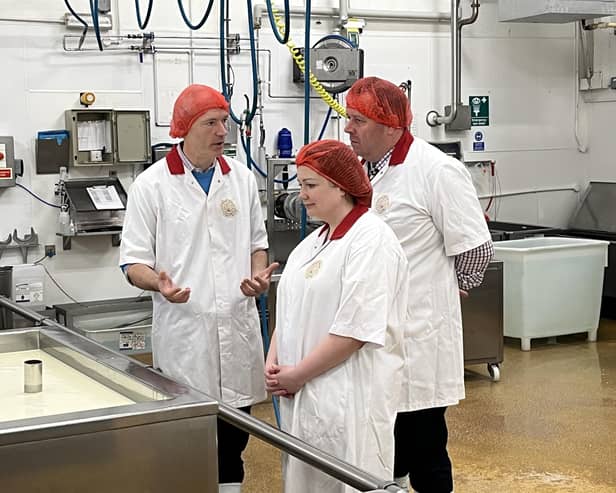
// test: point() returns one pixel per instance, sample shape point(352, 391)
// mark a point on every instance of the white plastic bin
point(552, 286)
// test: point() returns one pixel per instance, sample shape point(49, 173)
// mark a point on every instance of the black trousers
point(421, 450)
point(231, 443)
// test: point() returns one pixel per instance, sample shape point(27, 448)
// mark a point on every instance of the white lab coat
point(204, 242)
point(355, 287)
point(430, 203)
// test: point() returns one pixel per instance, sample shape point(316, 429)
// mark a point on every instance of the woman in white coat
point(336, 354)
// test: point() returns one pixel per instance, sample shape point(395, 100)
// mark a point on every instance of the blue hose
point(223, 61)
point(338, 37)
point(256, 166)
point(144, 24)
point(266, 346)
point(329, 114)
point(287, 21)
point(192, 26)
point(97, 31)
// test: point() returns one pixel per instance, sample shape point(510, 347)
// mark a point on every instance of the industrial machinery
point(91, 206)
point(123, 324)
point(97, 419)
point(137, 426)
point(594, 219)
point(335, 62)
point(284, 210)
point(516, 231)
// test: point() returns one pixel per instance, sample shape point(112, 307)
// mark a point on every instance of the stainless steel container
point(33, 376)
point(162, 438)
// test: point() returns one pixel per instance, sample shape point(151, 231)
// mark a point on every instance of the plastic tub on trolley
point(552, 286)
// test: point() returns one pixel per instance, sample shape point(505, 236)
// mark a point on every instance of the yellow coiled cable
point(314, 82)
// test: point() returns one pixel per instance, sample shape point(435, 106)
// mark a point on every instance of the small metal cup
point(33, 376)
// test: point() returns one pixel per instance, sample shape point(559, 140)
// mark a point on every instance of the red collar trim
point(349, 220)
point(401, 148)
point(176, 166)
point(224, 167)
point(174, 162)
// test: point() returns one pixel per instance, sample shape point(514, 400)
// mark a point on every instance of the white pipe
point(572, 188)
point(582, 146)
point(116, 16)
point(383, 15)
point(343, 12)
point(43, 21)
point(433, 118)
point(389, 15)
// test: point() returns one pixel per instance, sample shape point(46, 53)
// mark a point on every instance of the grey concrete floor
point(549, 425)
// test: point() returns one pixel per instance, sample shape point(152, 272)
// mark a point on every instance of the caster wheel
point(494, 371)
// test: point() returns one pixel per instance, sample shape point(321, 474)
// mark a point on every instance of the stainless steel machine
point(160, 438)
point(91, 206)
point(482, 322)
point(136, 433)
point(595, 218)
point(121, 324)
point(284, 209)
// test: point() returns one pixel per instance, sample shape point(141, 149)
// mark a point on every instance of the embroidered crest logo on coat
point(382, 204)
point(228, 207)
point(313, 269)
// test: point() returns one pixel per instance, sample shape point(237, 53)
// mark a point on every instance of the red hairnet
point(338, 163)
point(380, 101)
point(192, 103)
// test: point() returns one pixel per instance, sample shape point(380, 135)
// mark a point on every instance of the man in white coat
point(194, 235)
point(429, 201)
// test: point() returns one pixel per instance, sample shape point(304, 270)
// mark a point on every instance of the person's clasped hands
point(282, 381)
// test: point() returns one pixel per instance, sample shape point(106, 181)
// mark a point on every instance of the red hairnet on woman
point(336, 356)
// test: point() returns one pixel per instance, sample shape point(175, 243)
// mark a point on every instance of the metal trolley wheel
point(494, 371)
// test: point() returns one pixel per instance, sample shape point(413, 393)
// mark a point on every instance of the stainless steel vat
point(165, 440)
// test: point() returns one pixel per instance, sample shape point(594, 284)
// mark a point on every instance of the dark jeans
point(421, 450)
point(231, 443)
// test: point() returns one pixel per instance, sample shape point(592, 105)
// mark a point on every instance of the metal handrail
point(339, 469)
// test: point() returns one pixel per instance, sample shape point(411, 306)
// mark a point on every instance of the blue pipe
point(266, 344)
point(304, 217)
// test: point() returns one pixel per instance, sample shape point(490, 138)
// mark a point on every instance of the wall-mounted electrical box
point(452, 148)
point(482, 174)
point(106, 137)
point(7, 162)
point(52, 151)
point(554, 11)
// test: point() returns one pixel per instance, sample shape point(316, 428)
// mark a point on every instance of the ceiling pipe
point(377, 15)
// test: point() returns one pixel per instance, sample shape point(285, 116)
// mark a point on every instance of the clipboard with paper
point(105, 197)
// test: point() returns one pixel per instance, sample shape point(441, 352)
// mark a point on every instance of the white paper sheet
point(105, 197)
